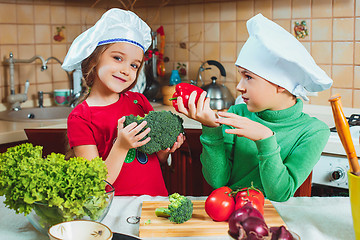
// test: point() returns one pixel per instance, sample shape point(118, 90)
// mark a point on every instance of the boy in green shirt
point(268, 141)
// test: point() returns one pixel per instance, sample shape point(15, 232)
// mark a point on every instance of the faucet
point(73, 95)
point(16, 99)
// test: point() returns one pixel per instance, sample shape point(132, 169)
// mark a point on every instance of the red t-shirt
point(97, 126)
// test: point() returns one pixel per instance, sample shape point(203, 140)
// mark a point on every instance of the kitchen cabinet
point(5, 146)
point(184, 175)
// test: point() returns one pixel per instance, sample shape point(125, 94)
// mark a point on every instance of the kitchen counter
point(14, 131)
point(312, 218)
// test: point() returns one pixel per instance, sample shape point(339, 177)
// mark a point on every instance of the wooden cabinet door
point(184, 175)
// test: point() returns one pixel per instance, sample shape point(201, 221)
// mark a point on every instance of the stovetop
point(353, 120)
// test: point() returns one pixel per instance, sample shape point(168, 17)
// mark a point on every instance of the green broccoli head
point(165, 128)
point(179, 210)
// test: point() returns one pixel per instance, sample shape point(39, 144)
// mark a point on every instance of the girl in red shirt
point(109, 55)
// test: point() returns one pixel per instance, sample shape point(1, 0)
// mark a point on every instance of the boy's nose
point(240, 87)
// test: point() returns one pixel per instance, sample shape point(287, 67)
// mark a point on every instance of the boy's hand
point(244, 127)
point(200, 112)
point(129, 137)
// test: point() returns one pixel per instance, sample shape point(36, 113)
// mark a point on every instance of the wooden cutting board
point(199, 225)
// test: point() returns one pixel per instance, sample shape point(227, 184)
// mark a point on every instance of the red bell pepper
point(184, 90)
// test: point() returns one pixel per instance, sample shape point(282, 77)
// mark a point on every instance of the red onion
point(255, 226)
point(239, 216)
point(280, 233)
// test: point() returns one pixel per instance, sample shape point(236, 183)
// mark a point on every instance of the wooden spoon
point(342, 127)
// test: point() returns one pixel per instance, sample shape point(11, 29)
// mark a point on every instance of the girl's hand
point(129, 137)
point(244, 127)
point(179, 141)
point(200, 112)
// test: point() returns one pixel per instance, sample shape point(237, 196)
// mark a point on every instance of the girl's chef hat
point(115, 25)
point(277, 56)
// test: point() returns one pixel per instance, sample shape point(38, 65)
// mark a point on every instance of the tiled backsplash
point(210, 31)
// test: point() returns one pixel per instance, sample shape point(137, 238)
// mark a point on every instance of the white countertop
point(312, 218)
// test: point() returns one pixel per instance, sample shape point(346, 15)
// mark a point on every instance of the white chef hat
point(115, 25)
point(274, 54)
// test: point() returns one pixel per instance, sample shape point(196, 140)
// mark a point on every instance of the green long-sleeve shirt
point(277, 165)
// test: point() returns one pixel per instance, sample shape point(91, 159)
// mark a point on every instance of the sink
point(36, 114)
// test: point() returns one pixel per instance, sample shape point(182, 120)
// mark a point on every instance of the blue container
point(174, 78)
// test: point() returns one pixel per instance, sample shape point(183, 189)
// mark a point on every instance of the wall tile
point(321, 8)
point(11, 34)
point(264, 7)
point(228, 52)
point(42, 33)
point(72, 31)
point(169, 30)
point(42, 14)
point(343, 29)
point(181, 33)
point(43, 50)
point(285, 23)
point(212, 12)
point(244, 10)
point(322, 98)
point(343, 52)
point(321, 29)
point(182, 14)
point(308, 27)
point(26, 34)
point(343, 8)
point(181, 54)
point(27, 52)
point(228, 11)
point(346, 96)
point(342, 76)
point(196, 51)
point(153, 16)
point(196, 13)
point(43, 76)
point(241, 31)
point(356, 103)
point(357, 29)
point(7, 13)
point(58, 74)
point(357, 77)
point(357, 53)
point(59, 51)
point(227, 31)
point(196, 32)
point(211, 51)
point(25, 14)
point(57, 15)
point(73, 15)
point(281, 9)
point(301, 8)
point(321, 52)
point(212, 32)
point(27, 72)
point(357, 11)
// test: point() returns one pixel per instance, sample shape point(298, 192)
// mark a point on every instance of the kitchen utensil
point(219, 94)
point(354, 193)
point(199, 225)
point(160, 64)
point(343, 130)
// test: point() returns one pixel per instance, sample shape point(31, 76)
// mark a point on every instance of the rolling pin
point(342, 127)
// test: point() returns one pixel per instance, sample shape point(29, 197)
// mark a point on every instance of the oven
point(330, 173)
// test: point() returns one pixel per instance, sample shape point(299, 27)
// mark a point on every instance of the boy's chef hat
point(115, 25)
point(277, 56)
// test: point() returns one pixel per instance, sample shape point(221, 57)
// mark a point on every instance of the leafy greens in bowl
point(53, 189)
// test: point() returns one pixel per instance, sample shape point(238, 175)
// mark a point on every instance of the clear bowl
point(42, 217)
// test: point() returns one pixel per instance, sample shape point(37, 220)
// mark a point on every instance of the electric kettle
point(220, 96)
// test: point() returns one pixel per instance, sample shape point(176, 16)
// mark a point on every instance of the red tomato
point(250, 194)
point(220, 204)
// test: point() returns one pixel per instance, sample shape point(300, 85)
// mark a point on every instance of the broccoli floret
point(165, 128)
point(179, 210)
